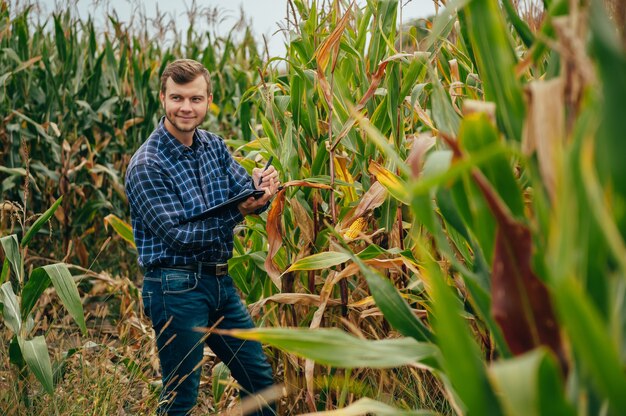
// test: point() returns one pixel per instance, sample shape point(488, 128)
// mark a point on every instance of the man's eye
point(175, 98)
point(197, 100)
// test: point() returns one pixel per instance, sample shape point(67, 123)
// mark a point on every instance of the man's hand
point(264, 177)
point(269, 182)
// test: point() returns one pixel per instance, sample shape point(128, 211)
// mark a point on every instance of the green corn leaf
point(478, 134)
point(219, 380)
point(61, 42)
point(38, 281)
point(15, 353)
point(41, 221)
point(367, 406)
point(6, 271)
point(338, 349)
point(611, 60)
point(444, 116)
point(384, 31)
point(461, 355)
point(269, 132)
point(531, 385)
point(477, 280)
point(319, 261)
point(297, 93)
point(68, 292)
point(496, 64)
point(122, 228)
point(35, 353)
point(12, 252)
point(522, 29)
point(443, 23)
point(591, 341)
point(10, 308)
point(393, 306)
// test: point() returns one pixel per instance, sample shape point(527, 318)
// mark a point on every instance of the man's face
point(185, 105)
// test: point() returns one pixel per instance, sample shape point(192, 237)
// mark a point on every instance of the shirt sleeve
point(240, 179)
point(151, 194)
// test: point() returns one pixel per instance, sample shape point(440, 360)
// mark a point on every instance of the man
point(178, 173)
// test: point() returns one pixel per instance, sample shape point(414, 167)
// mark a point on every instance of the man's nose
point(186, 106)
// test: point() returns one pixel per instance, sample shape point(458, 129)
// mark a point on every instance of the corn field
point(450, 238)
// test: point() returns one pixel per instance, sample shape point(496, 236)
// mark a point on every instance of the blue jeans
point(177, 301)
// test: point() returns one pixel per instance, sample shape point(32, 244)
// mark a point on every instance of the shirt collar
point(176, 148)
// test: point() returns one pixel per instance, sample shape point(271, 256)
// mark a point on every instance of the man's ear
point(209, 101)
point(162, 98)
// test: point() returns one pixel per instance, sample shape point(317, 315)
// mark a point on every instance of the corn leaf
point(122, 228)
point(12, 253)
point(461, 355)
point(68, 292)
point(41, 221)
point(496, 64)
point(612, 70)
point(522, 29)
point(478, 134)
point(319, 261)
point(395, 309)
point(520, 301)
point(531, 385)
point(6, 271)
point(338, 349)
point(392, 182)
point(10, 308)
point(220, 373)
point(592, 342)
point(367, 406)
point(35, 353)
point(38, 281)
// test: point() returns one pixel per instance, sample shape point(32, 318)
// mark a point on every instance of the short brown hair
point(183, 71)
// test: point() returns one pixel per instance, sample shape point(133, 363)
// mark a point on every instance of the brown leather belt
point(215, 269)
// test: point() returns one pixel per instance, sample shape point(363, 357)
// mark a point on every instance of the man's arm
point(240, 180)
point(151, 194)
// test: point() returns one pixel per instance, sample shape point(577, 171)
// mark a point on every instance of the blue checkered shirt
point(167, 183)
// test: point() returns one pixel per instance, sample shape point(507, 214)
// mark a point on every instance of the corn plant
point(19, 293)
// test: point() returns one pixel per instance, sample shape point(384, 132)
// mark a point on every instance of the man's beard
point(179, 127)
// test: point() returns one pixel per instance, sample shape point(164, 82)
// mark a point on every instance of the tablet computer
point(226, 205)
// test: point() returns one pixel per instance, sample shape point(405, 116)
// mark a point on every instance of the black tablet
point(226, 205)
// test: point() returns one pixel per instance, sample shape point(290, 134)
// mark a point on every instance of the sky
point(267, 16)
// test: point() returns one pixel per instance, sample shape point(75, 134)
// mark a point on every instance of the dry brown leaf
point(306, 184)
point(373, 198)
point(274, 236)
point(544, 129)
point(423, 116)
point(417, 155)
point(322, 54)
point(131, 122)
point(304, 221)
point(291, 299)
point(326, 90)
point(520, 300)
point(274, 227)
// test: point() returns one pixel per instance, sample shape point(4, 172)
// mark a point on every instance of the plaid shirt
point(168, 182)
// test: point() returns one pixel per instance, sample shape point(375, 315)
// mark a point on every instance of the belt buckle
point(221, 269)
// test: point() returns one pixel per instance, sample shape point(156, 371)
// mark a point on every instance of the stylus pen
point(267, 165)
